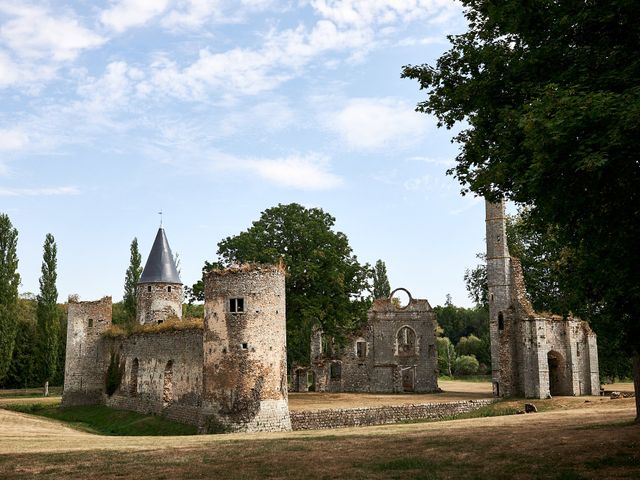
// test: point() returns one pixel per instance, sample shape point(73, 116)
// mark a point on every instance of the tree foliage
point(325, 283)
point(466, 365)
point(446, 356)
point(381, 285)
point(549, 97)
point(48, 313)
point(131, 279)
point(9, 281)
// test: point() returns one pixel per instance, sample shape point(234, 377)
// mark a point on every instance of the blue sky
point(213, 111)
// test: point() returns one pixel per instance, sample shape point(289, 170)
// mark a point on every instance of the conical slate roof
point(160, 267)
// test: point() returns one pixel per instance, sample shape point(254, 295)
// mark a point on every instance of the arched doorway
point(557, 381)
point(167, 391)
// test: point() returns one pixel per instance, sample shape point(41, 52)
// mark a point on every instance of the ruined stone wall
point(383, 365)
point(86, 359)
point(168, 378)
point(155, 303)
point(245, 363)
point(365, 416)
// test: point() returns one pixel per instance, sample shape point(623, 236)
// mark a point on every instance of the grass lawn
point(106, 421)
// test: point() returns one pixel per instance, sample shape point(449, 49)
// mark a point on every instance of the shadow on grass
point(102, 420)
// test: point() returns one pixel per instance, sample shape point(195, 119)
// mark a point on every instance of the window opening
point(336, 371)
point(244, 346)
point(500, 321)
point(236, 305)
point(361, 349)
point(149, 288)
point(169, 289)
point(406, 341)
point(90, 322)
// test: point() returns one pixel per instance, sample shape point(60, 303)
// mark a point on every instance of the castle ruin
point(532, 355)
point(228, 373)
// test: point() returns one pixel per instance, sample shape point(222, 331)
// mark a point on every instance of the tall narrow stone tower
point(86, 359)
point(499, 283)
point(159, 295)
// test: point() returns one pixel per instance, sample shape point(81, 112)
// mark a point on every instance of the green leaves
point(9, 281)
point(131, 281)
point(325, 283)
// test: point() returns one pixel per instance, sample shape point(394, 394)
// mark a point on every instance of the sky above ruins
point(213, 111)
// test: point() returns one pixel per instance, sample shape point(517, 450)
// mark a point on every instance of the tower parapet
point(245, 356)
point(86, 360)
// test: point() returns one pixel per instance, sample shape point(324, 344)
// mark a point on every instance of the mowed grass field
point(570, 438)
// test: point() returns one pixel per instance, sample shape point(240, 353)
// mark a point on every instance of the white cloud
point(12, 139)
point(303, 172)
point(125, 14)
point(374, 123)
point(359, 13)
point(38, 192)
point(192, 13)
point(35, 34)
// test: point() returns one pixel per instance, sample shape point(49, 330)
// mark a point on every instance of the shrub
point(466, 365)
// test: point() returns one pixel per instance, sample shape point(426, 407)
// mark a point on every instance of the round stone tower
point(159, 295)
point(245, 350)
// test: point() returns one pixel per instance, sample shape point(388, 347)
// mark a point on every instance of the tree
point(47, 312)
point(446, 355)
point(9, 281)
point(23, 372)
point(381, 286)
point(325, 284)
point(466, 365)
point(131, 281)
point(548, 94)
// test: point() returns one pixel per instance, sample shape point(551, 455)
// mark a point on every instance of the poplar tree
point(9, 281)
point(131, 281)
point(381, 286)
point(48, 313)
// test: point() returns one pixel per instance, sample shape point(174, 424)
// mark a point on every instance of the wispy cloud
point(35, 33)
point(12, 139)
point(124, 14)
point(374, 123)
point(38, 192)
point(302, 172)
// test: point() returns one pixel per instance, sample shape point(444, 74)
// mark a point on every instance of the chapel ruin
point(394, 352)
point(533, 355)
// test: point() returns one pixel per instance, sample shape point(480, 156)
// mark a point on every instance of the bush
point(466, 365)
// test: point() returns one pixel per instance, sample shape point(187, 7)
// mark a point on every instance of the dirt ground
point(570, 438)
point(453, 390)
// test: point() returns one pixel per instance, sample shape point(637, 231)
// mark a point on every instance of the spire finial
point(160, 213)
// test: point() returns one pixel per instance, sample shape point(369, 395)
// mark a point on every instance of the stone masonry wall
point(86, 360)
point(168, 380)
point(366, 416)
point(383, 364)
point(245, 363)
point(155, 303)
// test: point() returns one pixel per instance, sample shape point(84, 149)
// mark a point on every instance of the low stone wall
point(365, 416)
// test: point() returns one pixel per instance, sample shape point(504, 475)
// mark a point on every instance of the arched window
point(133, 384)
point(500, 321)
point(406, 340)
point(167, 392)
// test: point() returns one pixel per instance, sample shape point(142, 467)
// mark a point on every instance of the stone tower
point(159, 294)
point(499, 284)
point(533, 355)
point(245, 351)
point(86, 359)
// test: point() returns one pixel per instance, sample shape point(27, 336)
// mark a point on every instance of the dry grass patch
point(576, 440)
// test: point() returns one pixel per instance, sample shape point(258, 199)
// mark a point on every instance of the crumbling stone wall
point(86, 358)
point(245, 366)
point(532, 355)
point(366, 416)
point(168, 377)
point(376, 359)
point(157, 302)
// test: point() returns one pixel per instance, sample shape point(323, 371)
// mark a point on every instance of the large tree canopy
point(9, 281)
point(548, 96)
point(325, 283)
